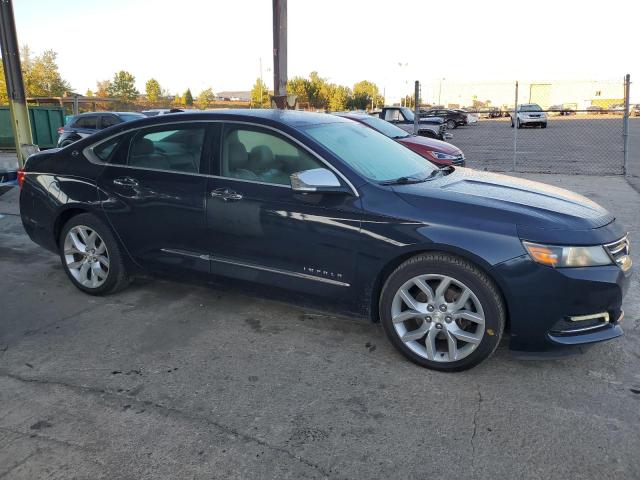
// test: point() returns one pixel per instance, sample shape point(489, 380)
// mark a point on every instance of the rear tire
point(91, 256)
point(459, 312)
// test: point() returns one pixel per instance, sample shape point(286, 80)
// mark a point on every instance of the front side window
point(89, 122)
point(370, 153)
point(169, 148)
point(257, 155)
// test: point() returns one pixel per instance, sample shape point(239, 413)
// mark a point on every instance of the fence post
point(625, 126)
point(515, 128)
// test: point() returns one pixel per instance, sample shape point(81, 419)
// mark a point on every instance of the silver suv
point(529, 114)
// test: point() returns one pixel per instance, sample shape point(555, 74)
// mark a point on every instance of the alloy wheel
point(86, 256)
point(438, 317)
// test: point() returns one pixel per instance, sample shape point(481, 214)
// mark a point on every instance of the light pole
point(406, 82)
point(440, 92)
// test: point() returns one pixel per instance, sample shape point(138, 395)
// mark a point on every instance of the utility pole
point(15, 85)
point(416, 102)
point(280, 54)
point(625, 127)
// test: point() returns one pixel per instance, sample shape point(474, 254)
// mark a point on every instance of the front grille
point(459, 160)
point(619, 252)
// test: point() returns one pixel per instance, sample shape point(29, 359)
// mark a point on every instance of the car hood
point(430, 144)
point(540, 212)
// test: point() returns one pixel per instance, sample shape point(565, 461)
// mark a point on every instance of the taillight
point(21, 176)
point(60, 130)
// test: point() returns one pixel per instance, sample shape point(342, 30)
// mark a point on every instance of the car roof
point(294, 118)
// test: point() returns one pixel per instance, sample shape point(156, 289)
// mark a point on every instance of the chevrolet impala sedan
point(446, 259)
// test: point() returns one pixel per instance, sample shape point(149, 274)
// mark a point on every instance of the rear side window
point(109, 121)
point(175, 149)
point(89, 121)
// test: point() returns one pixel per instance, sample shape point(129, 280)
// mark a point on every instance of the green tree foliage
point(366, 95)
point(260, 95)
point(41, 75)
point(123, 87)
point(339, 98)
point(187, 98)
point(206, 98)
point(317, 93)
point(89, 93)
point(153, 90)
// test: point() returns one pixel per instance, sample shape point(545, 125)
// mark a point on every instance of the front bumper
point(541, 301)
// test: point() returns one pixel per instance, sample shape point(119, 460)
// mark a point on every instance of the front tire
point(543, 125)
point(451, 124)
point(442, 312)
point(91, 256)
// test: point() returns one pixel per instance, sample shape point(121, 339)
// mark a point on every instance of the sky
point(219, 43)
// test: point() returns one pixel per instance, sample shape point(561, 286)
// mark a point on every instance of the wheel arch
point(392, 264)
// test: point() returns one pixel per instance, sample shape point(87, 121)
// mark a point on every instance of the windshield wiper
point(402, 181)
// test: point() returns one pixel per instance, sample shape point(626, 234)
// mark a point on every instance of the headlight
point(443, 156)
point(560, 256)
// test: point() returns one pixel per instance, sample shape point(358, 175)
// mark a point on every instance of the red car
point(436, 151)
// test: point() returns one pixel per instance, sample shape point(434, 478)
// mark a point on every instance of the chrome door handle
point(226, 194)
point(126, 182)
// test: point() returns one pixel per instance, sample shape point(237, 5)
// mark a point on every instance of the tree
point(260, 95)
point(366, 95)
point(187, 98)
point(102, 88)
point(339, 98)
point(89, 93)
point(123, 87)
point(177, 101)
point(41, 75)
point(299, 86)
point(153, 90)
point(206, 98)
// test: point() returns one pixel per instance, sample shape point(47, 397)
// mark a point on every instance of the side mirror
point(319, 180)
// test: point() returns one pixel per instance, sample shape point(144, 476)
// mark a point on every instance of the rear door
point(85, 125)
point(154, 187)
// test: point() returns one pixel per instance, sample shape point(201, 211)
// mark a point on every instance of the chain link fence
point(568, 127)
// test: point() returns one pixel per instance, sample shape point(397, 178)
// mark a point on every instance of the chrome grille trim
point(619, 250)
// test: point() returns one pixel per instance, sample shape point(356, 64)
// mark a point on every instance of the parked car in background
point(453, 118)
point(529, 114)
point(595, 109)
point(160, 111)
point(444, 258)
point(636, 110)
point(472, 117)
point(85, 124)
point(436, 151)
point(617, 108)
point(403, 117)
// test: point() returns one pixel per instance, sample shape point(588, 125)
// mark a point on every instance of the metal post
point(515, 128)
point(15, 85)
point(625, 128)
point(261, 93)
point(416, 113)
point(280, 52)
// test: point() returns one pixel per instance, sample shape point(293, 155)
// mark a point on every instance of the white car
point(529, 114)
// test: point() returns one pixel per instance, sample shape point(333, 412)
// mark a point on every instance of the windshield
point(128, 117)
point(370, 153)
point(408, 114)
point(384, 127)
point(530, 108)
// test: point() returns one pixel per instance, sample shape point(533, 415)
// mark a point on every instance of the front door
point(155, 194)
point(259, 229)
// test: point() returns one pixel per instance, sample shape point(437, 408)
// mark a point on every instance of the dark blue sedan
point(446, 259)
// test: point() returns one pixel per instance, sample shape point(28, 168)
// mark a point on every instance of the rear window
point(88, 121)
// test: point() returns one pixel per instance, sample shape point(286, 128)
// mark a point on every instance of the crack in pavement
point(57, 441)
point(18, 464)
point(475, 430)
point(171, 410)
